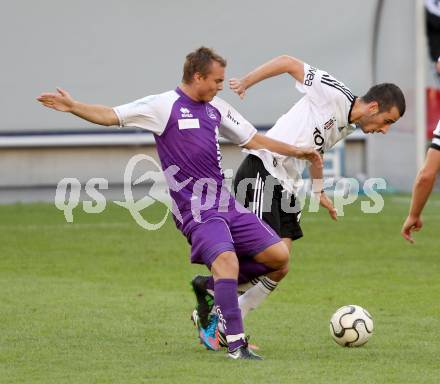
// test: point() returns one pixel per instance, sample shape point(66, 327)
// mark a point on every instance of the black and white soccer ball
point(351, 326)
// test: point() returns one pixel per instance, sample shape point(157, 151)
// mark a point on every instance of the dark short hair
point(387, 96)
point(200, 61)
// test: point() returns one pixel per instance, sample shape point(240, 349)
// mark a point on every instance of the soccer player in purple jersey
point(186, 123)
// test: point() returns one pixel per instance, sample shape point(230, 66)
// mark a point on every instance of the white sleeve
point(436, 137)
point(233, 126)
point(150, 113)
point(322, 87)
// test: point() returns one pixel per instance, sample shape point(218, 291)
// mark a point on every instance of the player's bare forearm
point(422, 189)
point(260, 141)
point(317, 177)
point(97, 114)
point(277, 66)
point(63, 102)
point(425, 182)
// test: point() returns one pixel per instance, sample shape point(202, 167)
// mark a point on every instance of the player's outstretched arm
point(422, 189)
point(63, 102)
point(260, 141)
point(277, 66)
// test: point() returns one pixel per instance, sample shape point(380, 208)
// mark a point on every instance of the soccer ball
point(351, 326)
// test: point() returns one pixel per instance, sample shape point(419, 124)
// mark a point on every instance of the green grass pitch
point(104, 301)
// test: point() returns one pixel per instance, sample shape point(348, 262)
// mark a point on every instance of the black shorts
point(265, 197)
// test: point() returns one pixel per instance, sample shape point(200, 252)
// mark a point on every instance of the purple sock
point(249, 269)
point(225, 293)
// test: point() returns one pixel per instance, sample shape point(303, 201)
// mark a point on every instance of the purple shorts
point(242, 233)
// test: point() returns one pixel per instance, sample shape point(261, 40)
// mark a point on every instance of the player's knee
point(282, 257)
point(276, 256)
point(280, 261)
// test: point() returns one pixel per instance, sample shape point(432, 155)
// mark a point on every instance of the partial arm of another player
point(317, 177)
point(277, 66)
point(422, 189)
point(63, 102)
point(260, 141)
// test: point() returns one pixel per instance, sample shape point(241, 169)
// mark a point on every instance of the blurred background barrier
point(121, 51)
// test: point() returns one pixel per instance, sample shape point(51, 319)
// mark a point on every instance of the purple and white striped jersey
point(186, 134)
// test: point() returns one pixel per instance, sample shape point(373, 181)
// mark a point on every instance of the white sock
point(253, 297)
point(242, 288)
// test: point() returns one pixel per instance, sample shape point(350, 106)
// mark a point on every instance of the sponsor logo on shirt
point(185, 112)
point(211, 112)
point(230, 117)
point(329, 124)
point(308, 78)
point(188, 123)
point(319, 140)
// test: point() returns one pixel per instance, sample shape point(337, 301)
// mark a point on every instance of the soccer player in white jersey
point(423, 187)
point(326, 113)
point(186, 123)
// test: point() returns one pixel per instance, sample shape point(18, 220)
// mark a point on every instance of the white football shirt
point(319, 120)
